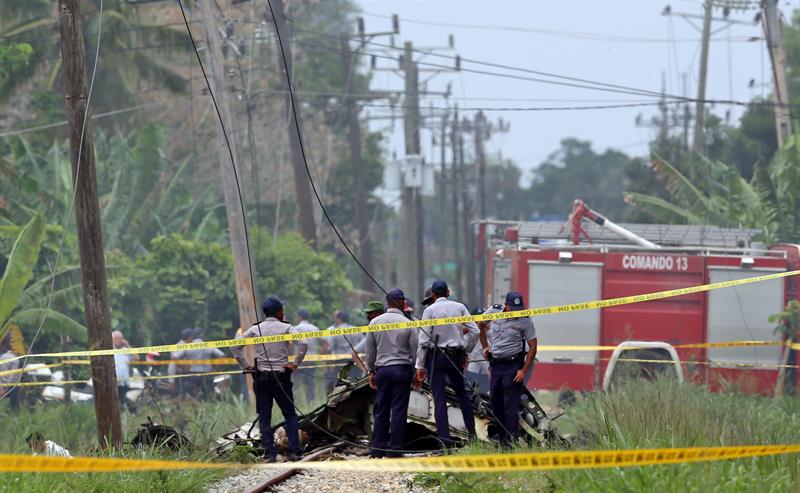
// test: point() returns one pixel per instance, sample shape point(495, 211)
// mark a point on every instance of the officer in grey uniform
point(442, 355)
point(272, 376)
point(504, 348)
point(389, 361)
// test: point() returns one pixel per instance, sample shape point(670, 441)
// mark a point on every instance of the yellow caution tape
point(232, 361)
point(509, 462)
point(413, 324)
point(28, 369)
point(152, 377)
point(44, 384)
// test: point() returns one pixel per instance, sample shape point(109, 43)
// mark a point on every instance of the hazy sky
point(615, 41)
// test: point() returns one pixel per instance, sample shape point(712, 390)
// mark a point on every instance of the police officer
point(504, 347)
point(389, 361)
point(272, 376)
point(443, 350)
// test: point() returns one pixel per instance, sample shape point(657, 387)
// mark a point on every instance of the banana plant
point(16, 294)
point(769, 201)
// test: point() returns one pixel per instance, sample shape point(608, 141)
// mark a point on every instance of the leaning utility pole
point(412, 272)
point(698, 143)
point(302, 185)
point(87, 214)
point(777, 54)
point(233, 206)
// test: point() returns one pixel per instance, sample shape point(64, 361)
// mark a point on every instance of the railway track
point(276, 479)
point(311, 481)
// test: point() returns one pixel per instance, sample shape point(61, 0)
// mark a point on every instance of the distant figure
point(7, 391)
point(122, 363)
point(478, 367)
point(338, 344)
point(40, 446)
point(200, 385)
point(307, 376)
point(408, 309)
point(174, 369)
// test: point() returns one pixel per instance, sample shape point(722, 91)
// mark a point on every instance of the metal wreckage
point(346, 418)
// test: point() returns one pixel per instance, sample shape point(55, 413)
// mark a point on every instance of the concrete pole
point(411, 275)
point(777, 54)
point(698, 142)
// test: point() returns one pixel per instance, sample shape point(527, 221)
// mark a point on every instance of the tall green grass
point(73, 427)
point(640, 414)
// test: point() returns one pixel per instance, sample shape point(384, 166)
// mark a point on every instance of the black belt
point(506, 359)
point(450, 350)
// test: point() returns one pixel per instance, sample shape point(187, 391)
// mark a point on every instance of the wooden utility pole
point(412, 274)
point(443, 190)
point(87, 213)
point(481, 133)
point(777, 54)
point(355, 143)
point(302, 186)
point(233, 206)
point(698, 144)
point(467, 212)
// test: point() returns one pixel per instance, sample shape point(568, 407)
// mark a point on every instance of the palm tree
point(132, 53)
point(722, 197)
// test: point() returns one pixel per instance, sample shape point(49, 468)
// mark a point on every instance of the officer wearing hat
point(371, 310)
point(389, 361)
point(442, 353)
point(504, 347)
point(272, 376)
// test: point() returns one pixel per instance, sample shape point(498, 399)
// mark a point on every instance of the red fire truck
point(590, 258)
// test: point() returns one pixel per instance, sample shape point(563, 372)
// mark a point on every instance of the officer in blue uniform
point(504, 348)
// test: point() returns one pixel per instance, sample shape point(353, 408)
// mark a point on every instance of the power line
point(305, 160)
point(554, 32)
point(598, 86)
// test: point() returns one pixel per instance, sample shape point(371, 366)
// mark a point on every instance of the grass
point(661, 414)
point(73, 426)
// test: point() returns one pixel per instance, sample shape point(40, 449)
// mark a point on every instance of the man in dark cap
point(272, 376)
point(504, 347)
point(389, 361)
point(442, 354)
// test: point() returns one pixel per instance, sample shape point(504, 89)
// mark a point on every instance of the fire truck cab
point(552, 264)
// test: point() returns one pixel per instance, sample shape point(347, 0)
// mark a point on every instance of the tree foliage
point(577, 171)
point(16, 294)
point(723, 197)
